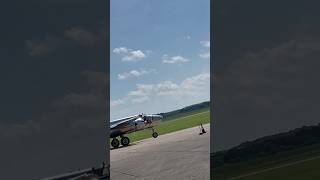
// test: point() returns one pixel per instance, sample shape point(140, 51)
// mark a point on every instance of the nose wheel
point(154, 134)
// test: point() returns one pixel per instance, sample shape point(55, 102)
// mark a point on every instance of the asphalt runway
point(181, 155)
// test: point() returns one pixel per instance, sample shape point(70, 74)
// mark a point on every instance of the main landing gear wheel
point(125, 141)
point(154, 134)
point(115, 143)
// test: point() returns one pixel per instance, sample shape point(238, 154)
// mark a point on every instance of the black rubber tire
point(154, 134)
point(125, 141)
point(115, 143)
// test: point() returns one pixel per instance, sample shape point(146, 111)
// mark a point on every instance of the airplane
point(127, 125)
point(85, 174)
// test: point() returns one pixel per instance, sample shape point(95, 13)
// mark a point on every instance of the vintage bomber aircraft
point(127, 125)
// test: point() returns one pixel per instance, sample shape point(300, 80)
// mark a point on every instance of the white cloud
point(123, 76)
point(120, 50)
point(137, 73)
point(196, 82)
point(206, 53)
point(130, 55)
point(163, 96)
point(134, 55)
point(173, 59)
point(188, 37)
point(166, 88)
point(141, 94)
point(190, 87)
point(116, 102)
point(134, 73)
point(140, 100)
point(142, 90)
point(205, 44)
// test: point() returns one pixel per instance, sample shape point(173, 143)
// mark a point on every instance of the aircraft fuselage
point(138, 124)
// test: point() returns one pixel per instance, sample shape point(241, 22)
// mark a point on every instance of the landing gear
point(125, 141)
point(154, 134)
point(115, 143)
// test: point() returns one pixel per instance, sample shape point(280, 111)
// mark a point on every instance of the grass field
point(173, 125)
point(296, 164)
point(308, 170)
point(179, 115)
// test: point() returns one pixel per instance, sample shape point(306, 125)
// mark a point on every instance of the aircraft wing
point(123, 120)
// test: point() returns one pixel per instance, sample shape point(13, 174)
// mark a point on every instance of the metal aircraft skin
point(127, 125)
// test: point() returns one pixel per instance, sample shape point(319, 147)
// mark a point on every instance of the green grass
point(179, 115)
point(303, 170)
point(173, 125)
point(306, 170)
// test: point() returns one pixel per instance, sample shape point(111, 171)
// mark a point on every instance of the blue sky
point(159, 55)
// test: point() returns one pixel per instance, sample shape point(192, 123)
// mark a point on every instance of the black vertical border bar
point(107, 65)
point(212, 37)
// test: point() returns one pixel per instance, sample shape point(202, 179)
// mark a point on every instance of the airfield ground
point(180, 155)
point(297, 164)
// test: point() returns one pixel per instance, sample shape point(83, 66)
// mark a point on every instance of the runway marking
point(274, 168)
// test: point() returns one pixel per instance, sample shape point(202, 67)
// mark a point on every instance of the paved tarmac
point(181, 155)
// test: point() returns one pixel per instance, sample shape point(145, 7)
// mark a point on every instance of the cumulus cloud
point(205, 44)
point(173, 59)
point(166, 88)
point(142, 90)
point(190, 87)
point(205, 54)
point(138, 100)
point(130, 55)
point(164, 96)
point(116, 102)
point(134, 73)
